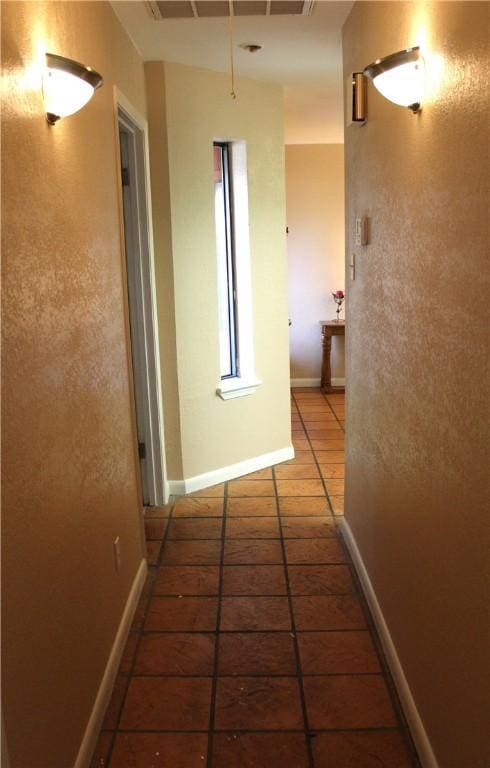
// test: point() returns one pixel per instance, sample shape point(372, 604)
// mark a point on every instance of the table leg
point(326, 382)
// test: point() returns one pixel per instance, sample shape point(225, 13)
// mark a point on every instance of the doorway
point(142, 313)
point(316, 262)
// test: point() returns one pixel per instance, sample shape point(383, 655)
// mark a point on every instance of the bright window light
point(235, 315)
point(225, 252)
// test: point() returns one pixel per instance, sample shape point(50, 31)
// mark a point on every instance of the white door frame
point(140, 270)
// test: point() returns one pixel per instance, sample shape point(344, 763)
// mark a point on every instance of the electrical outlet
point(117, 554)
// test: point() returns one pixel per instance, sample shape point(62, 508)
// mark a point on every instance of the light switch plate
point(362, 231)
point(358, 235)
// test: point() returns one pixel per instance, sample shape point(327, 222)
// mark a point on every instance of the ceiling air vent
point(205, 9)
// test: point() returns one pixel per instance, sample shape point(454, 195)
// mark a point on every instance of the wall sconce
point(400, 78)
point(67, 86)
point(359, 98)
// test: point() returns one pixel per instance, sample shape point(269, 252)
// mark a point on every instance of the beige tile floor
point(251, 646)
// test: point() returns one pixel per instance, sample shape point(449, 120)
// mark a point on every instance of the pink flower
point(339, 294)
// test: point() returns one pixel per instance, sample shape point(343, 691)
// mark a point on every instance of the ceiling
point(301, 52)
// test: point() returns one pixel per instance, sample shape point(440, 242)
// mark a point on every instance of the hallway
point(294, 676)
point(251, 645)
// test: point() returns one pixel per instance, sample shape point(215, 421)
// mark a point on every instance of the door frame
point(139, 280)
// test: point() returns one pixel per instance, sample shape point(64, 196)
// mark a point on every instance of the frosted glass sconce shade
point(67, 86)
point(400, 78)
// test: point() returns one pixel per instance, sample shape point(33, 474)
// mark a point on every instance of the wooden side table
point(330, 328)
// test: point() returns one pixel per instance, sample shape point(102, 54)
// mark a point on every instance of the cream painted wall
point(199, 109)
point(315, 218)
point(417, 482)
point(69, 473)
point(164, 268)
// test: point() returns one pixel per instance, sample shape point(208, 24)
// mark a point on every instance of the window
point(237, 369)
point(225, 249)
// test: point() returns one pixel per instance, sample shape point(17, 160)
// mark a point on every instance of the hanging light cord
point(232, 63)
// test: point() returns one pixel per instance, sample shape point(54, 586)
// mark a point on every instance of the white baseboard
point(176, 487)
point(196, 483)
point(305, 383)
point(315, 382)
point(417, 730)
point(96, 718)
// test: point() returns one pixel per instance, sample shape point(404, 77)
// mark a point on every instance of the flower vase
point(338, 297)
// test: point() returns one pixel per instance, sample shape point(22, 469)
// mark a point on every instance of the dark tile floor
point(251, 646)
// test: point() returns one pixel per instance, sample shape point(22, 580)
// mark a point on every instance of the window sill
point(237, 387)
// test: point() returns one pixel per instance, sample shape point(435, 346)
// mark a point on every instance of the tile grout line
point(325, 395)
point(371, 628)
point(151, 575)
point(250, 563)
point(212, 708)
point(247, 632)
point(266, 594)
point(266, 675)
point(317, 464)
point(150, 585)
point(279, 731)
point(339, 537)
point(256, 517)
point(294, 634)
point(402, 726)
point(385, 671)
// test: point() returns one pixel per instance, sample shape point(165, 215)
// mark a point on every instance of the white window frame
point(229, 353)
point(246, 381)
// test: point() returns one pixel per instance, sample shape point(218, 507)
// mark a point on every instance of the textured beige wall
point(217, 433)
point(417, 489)
point(69, 475)
point(316, 242)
